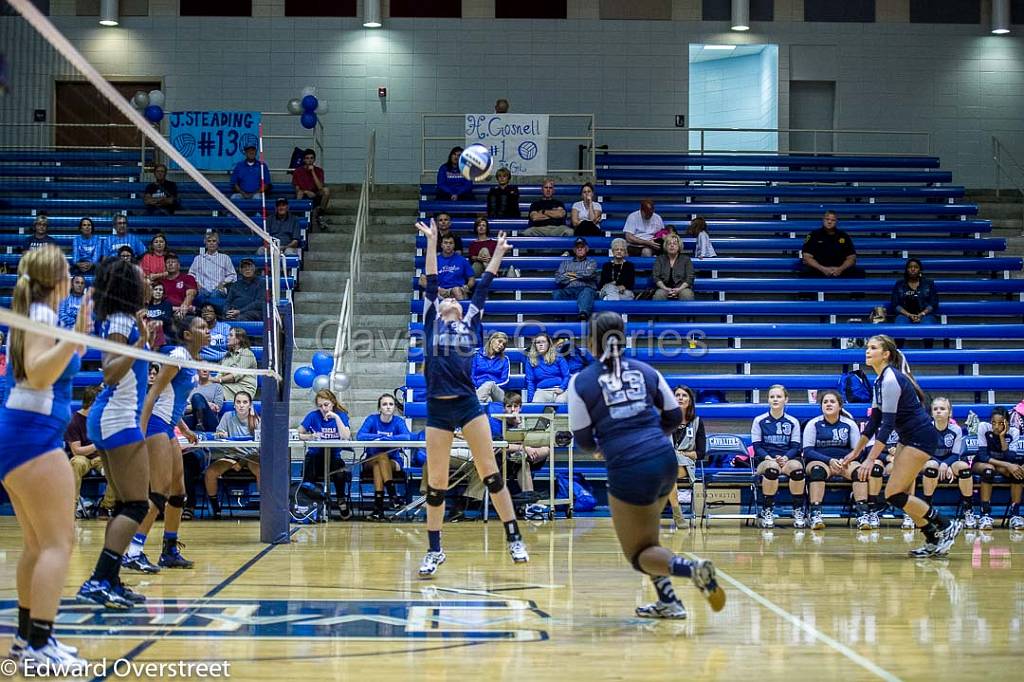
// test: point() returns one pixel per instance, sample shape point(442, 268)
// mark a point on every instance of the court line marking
point(782, 613)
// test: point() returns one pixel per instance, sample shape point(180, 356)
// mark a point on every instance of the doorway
point(78, 103)
point(812, 106)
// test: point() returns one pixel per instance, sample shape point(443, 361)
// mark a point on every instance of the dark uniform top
point(449, 347)
point(829, 250)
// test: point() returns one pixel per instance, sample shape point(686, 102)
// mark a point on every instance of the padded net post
point(275, 457)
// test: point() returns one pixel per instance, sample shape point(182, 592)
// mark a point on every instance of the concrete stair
point(1006, 211)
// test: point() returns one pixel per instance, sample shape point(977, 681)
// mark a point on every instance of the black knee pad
point(797, 475)
point(494, 483)
point(817, 474)
point(159, 501)
point(877, 470)
point(965, 473)
point(988, 475)
point(435, 496)
point(898, 500)
point(135, 510)
point(771, 474)
point(635, 559)
point(930, 473)
point(177, 501)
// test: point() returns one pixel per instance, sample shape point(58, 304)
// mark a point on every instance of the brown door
point(79, 102)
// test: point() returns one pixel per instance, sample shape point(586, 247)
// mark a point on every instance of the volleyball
point(476, 163)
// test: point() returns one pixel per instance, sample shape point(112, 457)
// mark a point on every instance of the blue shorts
point(925, 439)
point(119, 439)
point(453, 413)
point(25, 436)
point(644, 482)
point(157, 426)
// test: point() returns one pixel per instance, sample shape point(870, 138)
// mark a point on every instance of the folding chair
point(722, 449)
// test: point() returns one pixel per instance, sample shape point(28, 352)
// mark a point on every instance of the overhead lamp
point(371, 13)
point(723, 48)
point(1000, 16)
point(108, 13)
point(741, 15)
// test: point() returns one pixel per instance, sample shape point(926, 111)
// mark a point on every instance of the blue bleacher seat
point(97, 156)
point(658, 160)
point(570, 193)
point(143, 223)
point(102, 171)
point(776, 227)
point(122, 204)
point(646, 175)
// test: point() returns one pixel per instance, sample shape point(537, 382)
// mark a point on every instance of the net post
point(275, 457)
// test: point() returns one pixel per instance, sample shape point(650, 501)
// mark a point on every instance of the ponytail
point(898, 360)
point(40, 271)
point(610, 357)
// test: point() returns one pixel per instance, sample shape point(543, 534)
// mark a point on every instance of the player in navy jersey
point(826, 440)
point(625, 410)
point(897, 405)
point(451, 340)
point(33, 467)
point(995, 456)
point(162, 410)
point(775, 437)
point(114, 425)
point(948, 463)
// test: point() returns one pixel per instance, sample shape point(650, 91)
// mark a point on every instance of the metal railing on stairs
point(343, 340)
point(1008, 167)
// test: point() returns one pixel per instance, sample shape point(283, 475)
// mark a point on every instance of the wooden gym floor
point(342, 602)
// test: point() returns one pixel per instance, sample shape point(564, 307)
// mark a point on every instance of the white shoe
point(19, 645)
point(817, 522)
point(947, 537)
point(908, 523)
point(970, 520)
point(985, 522)
point(767, 518)
point(430, 563)
point(703, 577)
point(517, 550)
point(51, 659)
point(799, 519)
point(1017, 522)
point(674, 610)
point(874, 521)
point(863, 522)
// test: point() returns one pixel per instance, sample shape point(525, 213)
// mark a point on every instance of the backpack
point(854, 387)
point(582, 492)
point(306, 503)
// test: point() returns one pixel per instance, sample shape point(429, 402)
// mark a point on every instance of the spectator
point(385, 462)
point(451, 186)
point(454, 273)
point(180, 288)
point(503, 198)
point(829, 252)
point(250, 176)
point(217, 348)
point(242, 423)
point(575, 356)
point(673, 273)
point(308, 181)
point(914, 299)
point(444, 229)
point(284, 227)
point(126, 253)
point(204, 404)
point(83, 454)
point(40, 234)
point(240, 356)
point(547, 374)
point(121, 237)
point(161, 195)
point(491, 369)
point(547, 214)
point(641, 229)
point(159, 316)
point(587, 214)
point(329, 421)
point(152, 263)
point(3, 365)
point(690, 443)
point(618, 276)
point(67, 314)
point(501, 106)
point(703, 247)
point(87, 248)
point(213, 272)
point(247, 295)
point(481, 249)
point(577, 279)
point(529, 455)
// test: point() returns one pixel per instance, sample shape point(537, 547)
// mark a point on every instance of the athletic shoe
point(970, 520)
point(678, 519)
point(100, 592)
point(517, 550)
point(985, 522)
point(672, 610)
point(767, 518)
point(817, 522)
point(928, 549)
point(129, 594)
point(908, 523)
point(799, 518)
point(139, 563)
point(947, 536)
point(864, 522)
point(430, 563)
point(874, 521)
point(703, 577)
point(19, 645)
point(376, 515)
point(536, 512)
point(344, 511)
point(173, 559)
point(39, 662)
point(1017, 522)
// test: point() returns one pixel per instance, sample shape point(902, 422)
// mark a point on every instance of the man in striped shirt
point(213, 272)
point(576, 280)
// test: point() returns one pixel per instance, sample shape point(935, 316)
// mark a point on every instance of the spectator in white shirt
point(641, 228)
point(587, 214)
point(213, 272)
point(703, 247)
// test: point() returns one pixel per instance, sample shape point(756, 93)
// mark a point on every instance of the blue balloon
point(154, 113)
point(322, 363)
point(304, 377)
point(310, 103)
point(308, 120)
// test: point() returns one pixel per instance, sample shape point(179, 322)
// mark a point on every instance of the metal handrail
point(999, 153)
point(343, 338)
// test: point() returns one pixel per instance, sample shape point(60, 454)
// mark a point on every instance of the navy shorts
point(454, 413)
point(644, 482)
point(926, 439)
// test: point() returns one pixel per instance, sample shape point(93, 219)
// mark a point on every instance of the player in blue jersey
point(997, 456)
point(775, 437)
point(33, 466)
point(113, 425)
point(162, 410)
point(898, 405)
point(826, 440)
point(451, 340)
point(625, 410)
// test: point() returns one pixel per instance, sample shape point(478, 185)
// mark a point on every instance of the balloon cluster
point(151, 104)
point(318, 377)
point(308, 106)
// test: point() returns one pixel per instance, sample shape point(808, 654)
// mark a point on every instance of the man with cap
point(576, 280)
point(246, 295)
point(284, 227)
point(250, 176)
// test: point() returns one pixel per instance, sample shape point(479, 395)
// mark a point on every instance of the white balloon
point(140, 99)
point(156, 97)
point(321, 382)
point(295, 106)
point(322, 107)
point(308, 90)
point(341, 381)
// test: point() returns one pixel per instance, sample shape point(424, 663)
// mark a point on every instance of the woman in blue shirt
point(451, 186)
point(491, 369)
point(86, 248)
point(329, 421)
point(384, 426)
point(914, 298)
point(547, 373)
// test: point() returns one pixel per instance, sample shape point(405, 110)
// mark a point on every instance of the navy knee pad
point(930, 473)
point(877, 470)
point(635, 559)
point(159, 501)
point(797, 475)
point(177, 501)
point(771, 474)
point(494, 483)
point(898, 500)
point(435, 496)
point(135, 510)
point(988, 475)
point(965, 473)
point(817, 474)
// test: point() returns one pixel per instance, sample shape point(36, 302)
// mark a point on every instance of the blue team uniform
point(114, 418)
point(374, 428)
point(951, 445)
point(895, 406)
point(773, 437)
point(989, 447)
point(170, 405)
point(32, 421)
point(630, 422)
point(823, 442)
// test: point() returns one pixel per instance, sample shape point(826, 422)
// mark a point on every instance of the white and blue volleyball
point(476, 163)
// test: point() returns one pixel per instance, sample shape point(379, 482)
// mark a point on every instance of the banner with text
point(518, 142)
point(214, 140)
